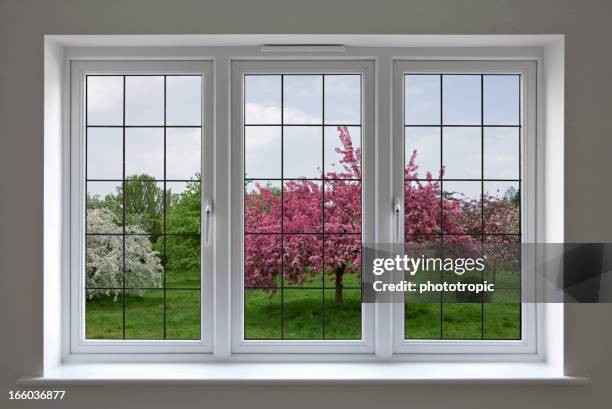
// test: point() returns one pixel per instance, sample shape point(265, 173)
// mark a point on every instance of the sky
point(314, 105)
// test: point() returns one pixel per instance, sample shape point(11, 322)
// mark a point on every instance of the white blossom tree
point(104, 256)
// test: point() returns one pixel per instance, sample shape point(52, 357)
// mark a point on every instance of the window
point(463, 135)
point(306, 132)
point(142, 273)
point(297, 195)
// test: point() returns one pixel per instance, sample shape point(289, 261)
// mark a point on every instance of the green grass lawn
point(307, 311)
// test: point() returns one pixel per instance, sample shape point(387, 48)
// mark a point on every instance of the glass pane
point(461, 100)
point(422, 316)
point(303, 153)
point(182, 314)
point(501, 153)
point(302, 314)
point(144, 314)
point(262, 314)
point(183, 153)
point(502, 203)
point(461, 211)
point(183, 207)
point(461, 320)
point(262, 206)
point(144, 205)
point(262, 260)
point(342, 152)
point(501, 99)
point(502, 315)
point(303, 260)
point(104, 100)
point(143, 261)
point(342, 206)
point(461, 153)
point(302, 207)
point(183, 100)
point(103, 315)
point(503, 256)
point(342, 261)
point(422, 204)
point(424, 144)
point(262, 152)
point(104, 153)
point(302, 99)
point(144, 152)
point(422, 100)
point(343, 99)
point(342, 314)
point(262, 99)
point(104, 262)
point(182, 261)
point(144, 100)
point(104, 207)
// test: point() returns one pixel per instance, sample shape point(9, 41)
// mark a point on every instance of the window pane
point(422, 100)
point(144, 314)
point(143, 263)
point(424, 144)
point(302, 150)
point(183, 100)
point(262, 314)
point(302, 207)
point(144, 100)
point(262, 99)
point(183, 207)
point(103, 315)
point(342, 206)
point(300, 271)
point(302, 99)
point(182, 314)
point(461, 100)
point(342, 99)
point(144, 205)
point(104, 100)
point(302, 314)
point(262, 206)
point(182, 261)
point(422, 204)
point(501, 153)
point(144, 152)
point(183, 153)
point(262, 152)
point(461, 211)
point(104, 207)
point(342, 162)
point(104, 263)
point(461, 153)
point(104, 153)
point(501, 99)
point(502, 202)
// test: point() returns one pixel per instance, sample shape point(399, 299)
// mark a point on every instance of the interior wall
point(588, 191)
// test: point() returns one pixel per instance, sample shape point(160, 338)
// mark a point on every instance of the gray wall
point(588, 190)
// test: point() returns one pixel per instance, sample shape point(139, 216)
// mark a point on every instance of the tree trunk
point(339, 285)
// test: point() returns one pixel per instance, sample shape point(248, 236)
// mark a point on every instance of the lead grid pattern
point(322, 180)
point(160, 235)
point(483, 234)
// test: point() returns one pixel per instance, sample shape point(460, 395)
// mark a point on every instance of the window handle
point(397, 214)
point(207, 221)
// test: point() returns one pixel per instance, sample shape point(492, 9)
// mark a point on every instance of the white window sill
point(311, 373)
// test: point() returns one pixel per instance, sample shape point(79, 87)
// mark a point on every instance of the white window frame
point(239, 70)
point(218, 64)
point(529, 323)
point(79, 71)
